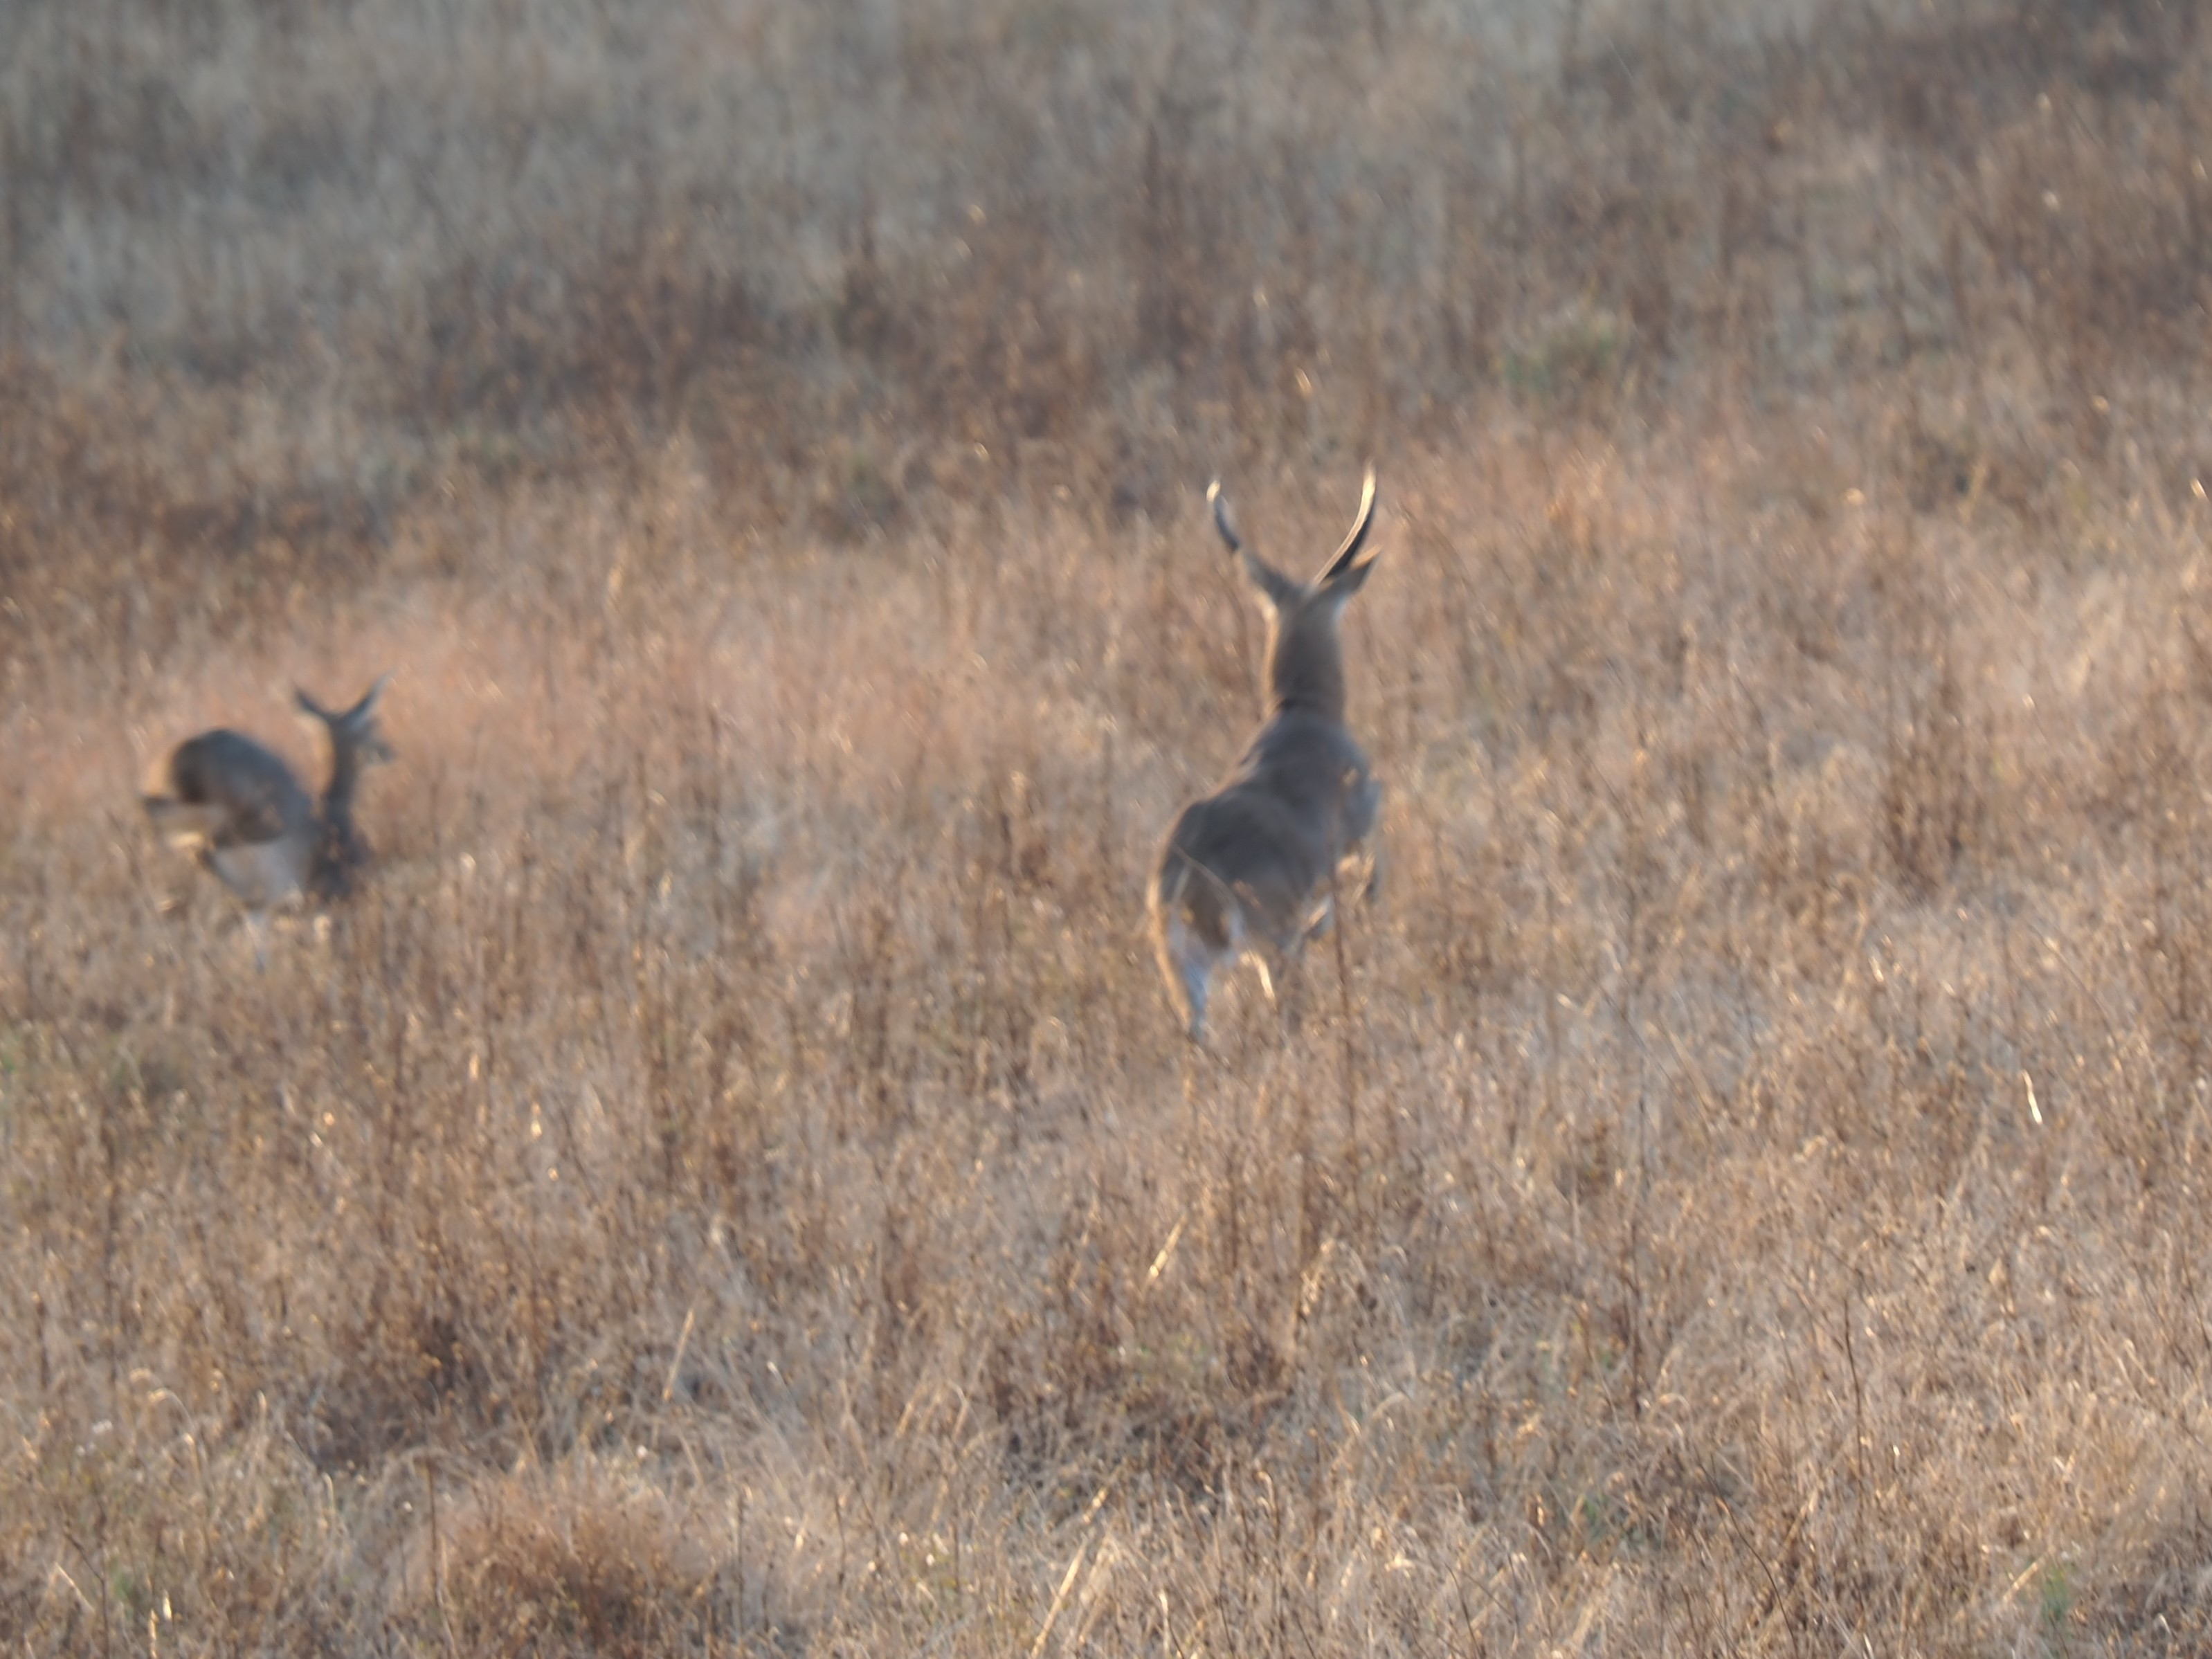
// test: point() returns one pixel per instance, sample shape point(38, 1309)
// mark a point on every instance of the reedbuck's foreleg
point(1360, 860)
point(1277, 921)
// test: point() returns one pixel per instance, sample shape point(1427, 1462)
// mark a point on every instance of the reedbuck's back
point(1256, 865)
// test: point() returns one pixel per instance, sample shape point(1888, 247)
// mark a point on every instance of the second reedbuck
point(254, 825)
point(1256, 866)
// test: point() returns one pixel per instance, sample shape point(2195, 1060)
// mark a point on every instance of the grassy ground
point(732, 1184)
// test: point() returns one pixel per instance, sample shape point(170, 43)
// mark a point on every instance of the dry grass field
point(732, 1184)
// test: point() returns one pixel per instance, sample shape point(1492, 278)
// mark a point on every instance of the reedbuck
point(1255, 865)
point(254, 825)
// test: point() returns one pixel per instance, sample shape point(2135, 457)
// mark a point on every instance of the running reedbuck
point(1255, 865)
point(254, 825)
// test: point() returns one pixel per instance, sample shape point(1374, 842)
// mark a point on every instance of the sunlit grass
point(732, 1181)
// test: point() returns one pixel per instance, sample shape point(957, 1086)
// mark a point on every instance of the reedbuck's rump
point(1256, 867)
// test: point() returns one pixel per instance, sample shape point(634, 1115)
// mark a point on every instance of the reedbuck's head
point(1305, 654)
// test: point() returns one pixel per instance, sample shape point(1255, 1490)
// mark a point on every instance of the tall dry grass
point(731, 1183)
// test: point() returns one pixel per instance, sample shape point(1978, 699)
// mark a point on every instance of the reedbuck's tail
point(1257, 864)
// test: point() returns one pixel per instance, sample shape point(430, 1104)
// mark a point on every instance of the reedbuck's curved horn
point(1279, 589)
point(1221, 517)
point(1357, 536)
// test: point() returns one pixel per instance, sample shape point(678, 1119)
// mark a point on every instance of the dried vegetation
point(732, 1184)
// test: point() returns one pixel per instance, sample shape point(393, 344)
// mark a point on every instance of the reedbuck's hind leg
point(1189, 959)
point(257, 930)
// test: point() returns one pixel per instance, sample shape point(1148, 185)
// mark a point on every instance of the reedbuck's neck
point(1305, 668)
point(338, 851)
point(345, 778)
point(342, 852)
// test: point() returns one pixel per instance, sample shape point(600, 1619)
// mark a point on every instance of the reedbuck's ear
point(1344, 574)
point(1279, 589)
